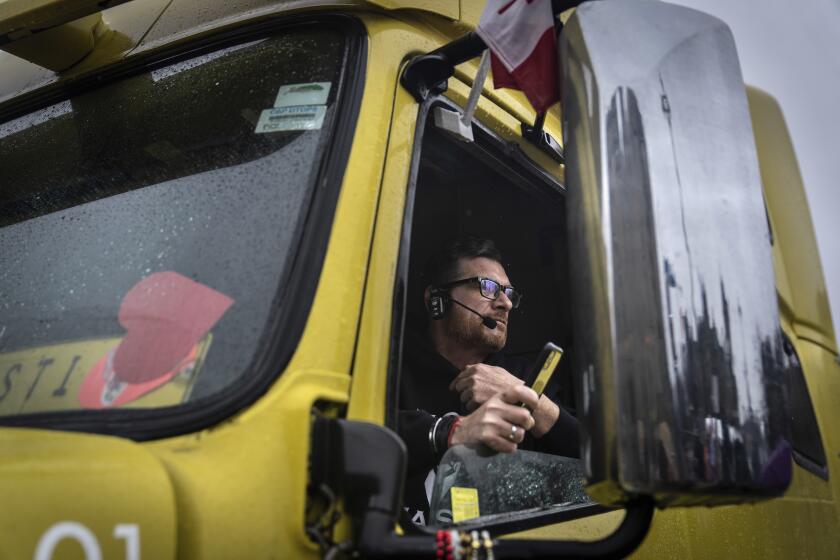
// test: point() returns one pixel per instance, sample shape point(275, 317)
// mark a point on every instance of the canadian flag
point(520, 35)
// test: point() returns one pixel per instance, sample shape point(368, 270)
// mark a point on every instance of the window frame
point(300, 277)
point(497, 153)
point(804, 407)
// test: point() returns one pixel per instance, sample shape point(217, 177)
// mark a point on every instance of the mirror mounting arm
point(371, 489)
point(542, 139)
point(426, 74)
point(620, 544)
point(372, 494)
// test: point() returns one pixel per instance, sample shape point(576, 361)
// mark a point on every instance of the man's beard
point(471, 333)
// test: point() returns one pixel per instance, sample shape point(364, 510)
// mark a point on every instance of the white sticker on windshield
point(300, 117)
point(312, 93)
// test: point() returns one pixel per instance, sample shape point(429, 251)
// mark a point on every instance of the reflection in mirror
point(679, 354)
point(474, 483)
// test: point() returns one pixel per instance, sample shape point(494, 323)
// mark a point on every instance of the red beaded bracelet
point(443, 545)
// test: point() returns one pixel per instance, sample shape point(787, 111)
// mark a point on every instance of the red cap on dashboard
point(164, 316)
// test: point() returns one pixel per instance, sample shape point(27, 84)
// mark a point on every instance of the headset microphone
point(486, 321)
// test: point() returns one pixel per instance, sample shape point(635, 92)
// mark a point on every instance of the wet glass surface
point(162, 181)
point(505, 483)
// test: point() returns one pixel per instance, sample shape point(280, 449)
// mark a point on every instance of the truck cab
point(213, 218)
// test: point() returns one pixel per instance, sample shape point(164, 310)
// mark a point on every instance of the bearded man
point(456, 386)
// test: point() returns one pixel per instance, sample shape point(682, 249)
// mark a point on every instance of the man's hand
point(545, 416)
point(477, 383)
point(491, 424)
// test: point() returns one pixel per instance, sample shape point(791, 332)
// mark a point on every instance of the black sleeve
point(413, 427)
point(561, 439)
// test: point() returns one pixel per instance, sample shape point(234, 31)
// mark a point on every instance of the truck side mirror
point(364, 464)
point(680, 359)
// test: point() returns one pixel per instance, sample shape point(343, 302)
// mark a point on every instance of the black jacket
point(425, 394)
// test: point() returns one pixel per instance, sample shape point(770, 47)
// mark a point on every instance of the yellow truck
point(212, 220)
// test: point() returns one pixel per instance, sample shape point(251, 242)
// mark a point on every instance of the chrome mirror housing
point(680, 361)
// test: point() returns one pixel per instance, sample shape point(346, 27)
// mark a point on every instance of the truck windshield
point(147, 227)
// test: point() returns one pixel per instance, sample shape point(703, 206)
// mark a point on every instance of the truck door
point(436, 186)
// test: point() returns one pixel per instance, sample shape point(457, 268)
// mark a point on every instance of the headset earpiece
point(437, 303)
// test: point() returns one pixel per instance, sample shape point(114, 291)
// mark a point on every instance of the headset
point(439, 304)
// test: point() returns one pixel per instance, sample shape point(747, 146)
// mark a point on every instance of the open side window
point(488, 189)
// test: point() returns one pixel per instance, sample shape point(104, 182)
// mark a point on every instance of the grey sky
point(790, 51)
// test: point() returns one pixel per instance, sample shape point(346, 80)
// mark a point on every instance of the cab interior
point(490, 188)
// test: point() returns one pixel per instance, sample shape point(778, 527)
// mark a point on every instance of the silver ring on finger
point(513, 429)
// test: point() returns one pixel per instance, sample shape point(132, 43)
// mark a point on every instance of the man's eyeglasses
point(489, 288)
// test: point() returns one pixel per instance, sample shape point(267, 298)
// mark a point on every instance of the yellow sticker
point(464, 504)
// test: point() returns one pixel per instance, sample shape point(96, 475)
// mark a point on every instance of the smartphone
point(544, 367)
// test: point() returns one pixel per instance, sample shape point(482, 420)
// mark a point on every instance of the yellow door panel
point(82, 496)
point(782, 528)
point(241, 487)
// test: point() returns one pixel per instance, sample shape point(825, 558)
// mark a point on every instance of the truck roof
point(48, 41)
